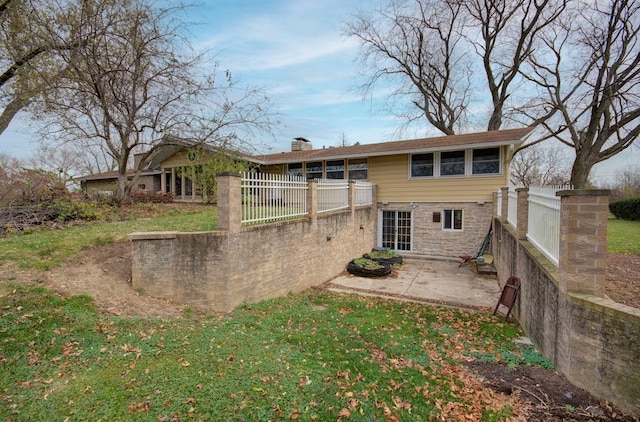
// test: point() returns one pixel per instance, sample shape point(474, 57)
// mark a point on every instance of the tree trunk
point(580, 172)
point(123, 190)
point(495, 121)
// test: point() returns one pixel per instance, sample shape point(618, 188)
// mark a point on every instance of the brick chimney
point(300, 144)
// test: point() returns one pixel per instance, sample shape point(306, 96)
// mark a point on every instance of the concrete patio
point(428, 280)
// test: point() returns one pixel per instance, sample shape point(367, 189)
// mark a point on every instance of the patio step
point(484, 268)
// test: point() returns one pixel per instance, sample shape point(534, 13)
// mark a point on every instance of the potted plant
point(384, 255)
point(365, 267)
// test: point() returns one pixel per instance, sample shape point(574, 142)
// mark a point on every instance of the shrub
point(149, 196)
point(626, 209)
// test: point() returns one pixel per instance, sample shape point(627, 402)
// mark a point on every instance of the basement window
point(452, 220)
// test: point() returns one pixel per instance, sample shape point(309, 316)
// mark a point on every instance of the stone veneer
point(591, 339)
point(430, 239)
point(226, 268)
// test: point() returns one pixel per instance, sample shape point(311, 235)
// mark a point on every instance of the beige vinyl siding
point(391, 174)
point(179, 159)
point(101, 185)
point(274, 169)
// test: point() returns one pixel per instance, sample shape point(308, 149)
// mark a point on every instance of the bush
point(626, 209)
point(149, 196)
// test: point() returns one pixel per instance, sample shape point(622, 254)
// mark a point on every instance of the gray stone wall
point(430, 239)
point(593, 341)
point(221, 270)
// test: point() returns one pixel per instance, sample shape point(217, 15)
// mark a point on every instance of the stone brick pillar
point(312, 199)
point(583, 241)
point(523, 213)
point(505, 204)
point(229, 202)
point(352, 197)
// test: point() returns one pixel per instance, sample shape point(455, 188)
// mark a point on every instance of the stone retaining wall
point(223, 269)
point(592, 340)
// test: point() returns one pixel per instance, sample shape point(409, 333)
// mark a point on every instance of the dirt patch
point(545, 395)
point(104, 274)
point(623, 278)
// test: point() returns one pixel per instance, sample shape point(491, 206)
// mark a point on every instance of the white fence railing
point(512, 206)
point(499, 203)
point(543, 229)
point(271, 197)
point(364, 193)
point(332, 195)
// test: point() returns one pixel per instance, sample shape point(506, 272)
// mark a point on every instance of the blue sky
point(296, 52)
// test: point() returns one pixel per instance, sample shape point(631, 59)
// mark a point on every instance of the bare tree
point(509, 33)
point(628, 182)
point(540, 166)
point(589, 76)
point(425, 49)
point(136, 82)
point(65, 163)
point(414, 46)
point(28, 53)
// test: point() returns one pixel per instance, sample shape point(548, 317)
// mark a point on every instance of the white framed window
point(452, 163)
point(335, 169)
point(485, 161)
point(294, 169)
point(452, 219)
point(314, 170)
point(358, 169)
point(422, 165)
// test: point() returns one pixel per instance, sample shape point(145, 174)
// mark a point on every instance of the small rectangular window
point(486, 161)
point(335, 169)
point(358, 169)
point(294, 169)
point(452, 163)
point(422, 165)
point(452, 220)
point(314, 170)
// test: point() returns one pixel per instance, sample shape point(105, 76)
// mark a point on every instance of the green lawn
point(311, 356)
point(44, 249)
point(623, 236)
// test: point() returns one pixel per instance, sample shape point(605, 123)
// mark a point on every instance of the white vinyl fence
point(364, 193)
point(333, 195)
point(499, 203)
point(512, 206)
point(270, 197)
point(273, 197)
point(544, 220)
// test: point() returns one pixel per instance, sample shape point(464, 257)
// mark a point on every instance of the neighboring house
point(434, 195)
point(168, 172)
